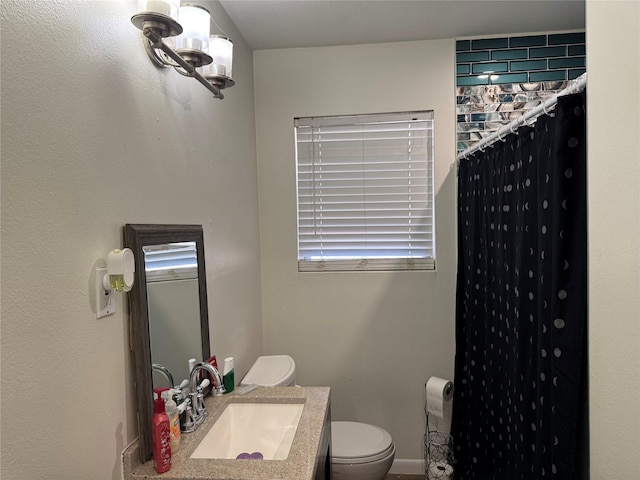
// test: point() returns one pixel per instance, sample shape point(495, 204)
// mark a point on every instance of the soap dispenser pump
point(160, 433)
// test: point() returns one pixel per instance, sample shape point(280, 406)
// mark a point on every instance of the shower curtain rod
point(575, 86)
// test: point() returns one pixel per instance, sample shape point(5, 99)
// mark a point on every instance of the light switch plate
point(104, 299)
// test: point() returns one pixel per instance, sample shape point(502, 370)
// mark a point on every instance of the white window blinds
point(365, 192)
point(171, 261)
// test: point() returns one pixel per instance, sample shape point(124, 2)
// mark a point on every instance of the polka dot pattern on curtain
point(520, 375)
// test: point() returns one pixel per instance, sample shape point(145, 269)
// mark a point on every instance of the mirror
point(173, 307)
point(168, 310)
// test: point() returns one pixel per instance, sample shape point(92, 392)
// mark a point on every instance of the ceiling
point(268, 24)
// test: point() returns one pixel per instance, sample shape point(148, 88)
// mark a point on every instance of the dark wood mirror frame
point(137, 236)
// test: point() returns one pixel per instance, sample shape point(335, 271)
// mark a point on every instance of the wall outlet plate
point(104, 299)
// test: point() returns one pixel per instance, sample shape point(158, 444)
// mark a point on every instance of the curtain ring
point(549, 113)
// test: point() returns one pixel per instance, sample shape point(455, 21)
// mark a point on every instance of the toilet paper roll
point(439, 391)
point(440, 471)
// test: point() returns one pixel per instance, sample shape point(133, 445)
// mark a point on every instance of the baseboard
point(406, 466)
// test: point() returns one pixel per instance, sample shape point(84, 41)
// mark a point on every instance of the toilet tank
point(272, 371)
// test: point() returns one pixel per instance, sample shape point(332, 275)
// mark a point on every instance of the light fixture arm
point(155, 41)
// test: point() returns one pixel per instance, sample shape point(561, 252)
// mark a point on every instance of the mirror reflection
point(168, 310)
point(173, 304)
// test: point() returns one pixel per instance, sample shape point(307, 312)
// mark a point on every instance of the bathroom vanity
point(309, 456)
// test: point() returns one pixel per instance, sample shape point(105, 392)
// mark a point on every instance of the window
point(171, 261)
point(365, 192)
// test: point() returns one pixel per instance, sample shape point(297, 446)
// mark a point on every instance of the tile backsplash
point(499, 79)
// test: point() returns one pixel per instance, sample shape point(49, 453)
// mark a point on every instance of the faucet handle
point(199, 398)
point(182, 385)
point(187, 421)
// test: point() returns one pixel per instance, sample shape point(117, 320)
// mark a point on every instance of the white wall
point(93, 137)
point(613, 58)
point(375, 338)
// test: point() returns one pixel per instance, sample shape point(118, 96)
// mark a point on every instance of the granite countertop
point(299, 465)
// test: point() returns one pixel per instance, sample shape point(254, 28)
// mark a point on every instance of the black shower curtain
point(520, 404)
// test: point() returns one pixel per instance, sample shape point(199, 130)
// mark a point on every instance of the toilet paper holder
point(438, 445)
point(448, 390)
point(439, 459)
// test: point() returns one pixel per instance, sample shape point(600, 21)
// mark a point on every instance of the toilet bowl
point(359, 451)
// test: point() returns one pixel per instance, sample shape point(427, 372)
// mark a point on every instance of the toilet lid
point(352, 442)
point(271, 371)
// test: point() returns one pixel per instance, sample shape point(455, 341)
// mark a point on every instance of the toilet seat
point(358, 443)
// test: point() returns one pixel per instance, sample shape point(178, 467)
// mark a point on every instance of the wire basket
point(438, 450)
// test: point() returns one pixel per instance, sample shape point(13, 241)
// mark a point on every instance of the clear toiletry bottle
point(172, 412)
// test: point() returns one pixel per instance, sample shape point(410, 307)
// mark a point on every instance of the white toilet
point(359, 451)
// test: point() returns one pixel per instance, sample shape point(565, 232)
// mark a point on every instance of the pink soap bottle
point(160, 434)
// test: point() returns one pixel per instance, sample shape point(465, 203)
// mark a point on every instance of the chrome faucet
point(165, 371)
point(218, 385)
point(196, 411)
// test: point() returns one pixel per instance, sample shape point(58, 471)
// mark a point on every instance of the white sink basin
point(267, 428)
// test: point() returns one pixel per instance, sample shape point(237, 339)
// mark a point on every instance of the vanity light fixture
point(186, 46)
point(219, 71)
point(117, 276)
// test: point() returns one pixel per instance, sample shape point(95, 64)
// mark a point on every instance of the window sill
point(363, 265)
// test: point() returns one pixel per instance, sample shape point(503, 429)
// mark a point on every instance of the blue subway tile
point(528, 65)
point(511, 78)
point(536, 63)
point(509, 54)
point(490, 67)
point(547, 76)
point(472, 57)
point(487, 43)
point(566, 62)
point(463, 45)
point(575, 73)
point(547, 52)
point(577, 50)
point(530, 41)
point(561, 38)
point(472, 81)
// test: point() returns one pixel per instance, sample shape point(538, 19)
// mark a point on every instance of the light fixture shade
point(165, 7)
point(195, 21)
point(221, 50)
